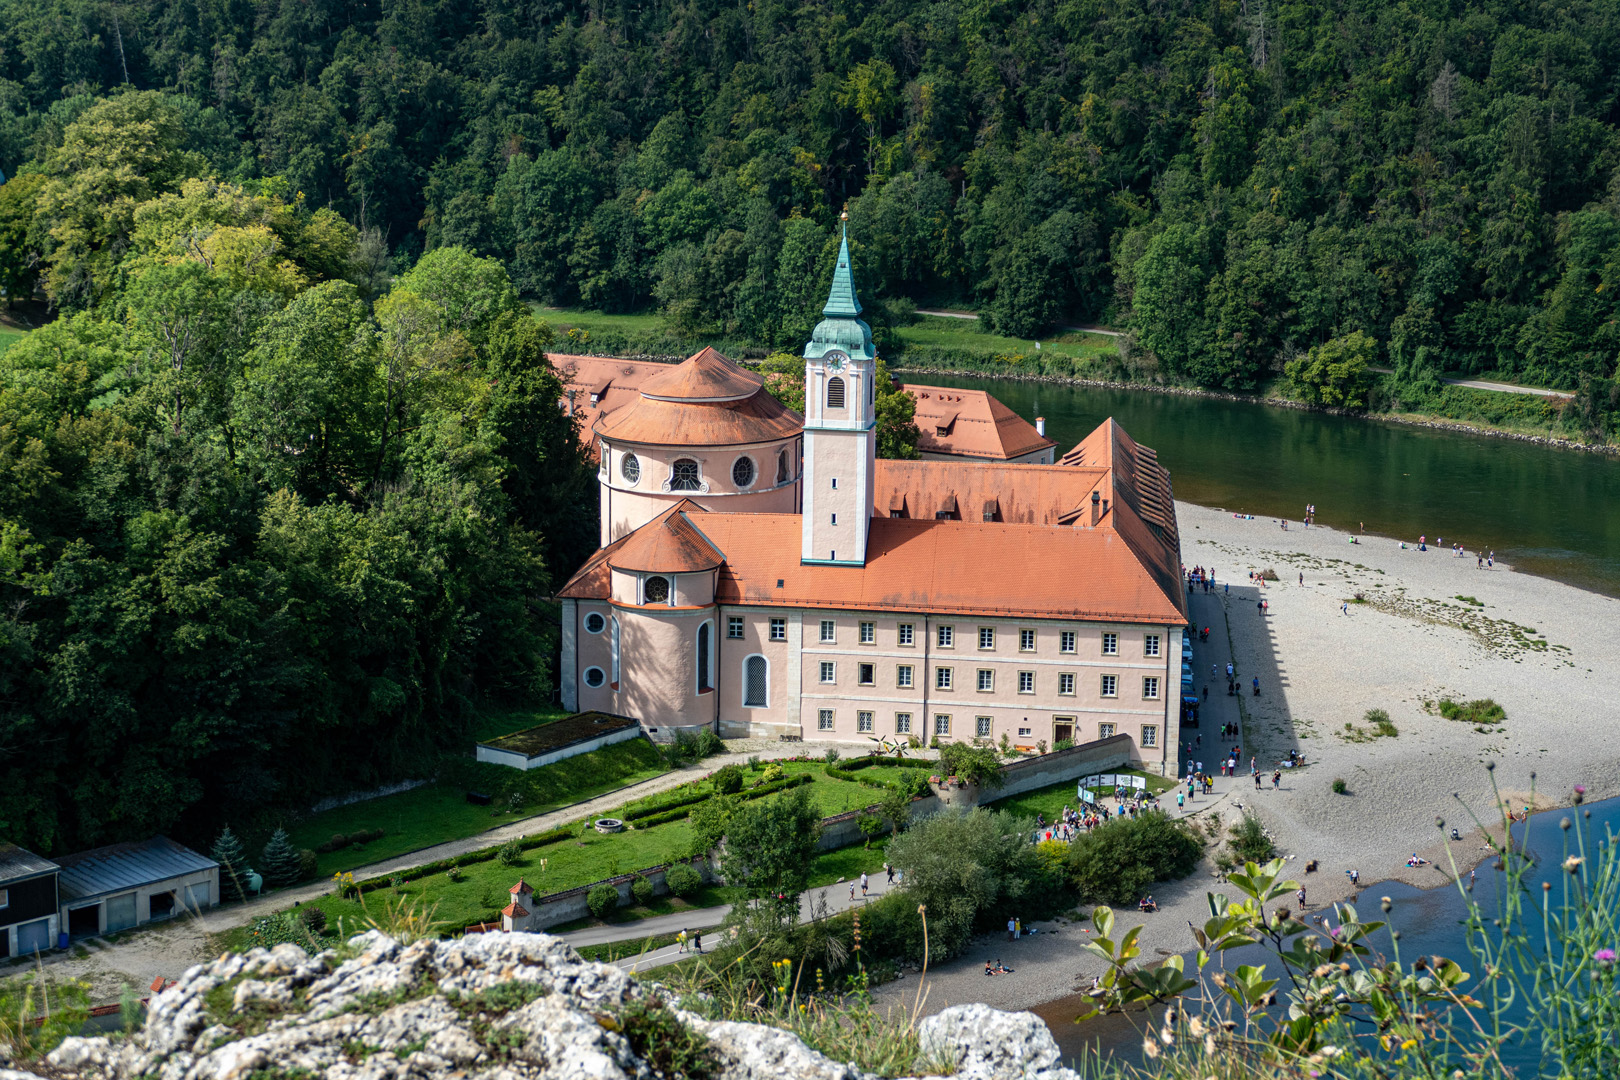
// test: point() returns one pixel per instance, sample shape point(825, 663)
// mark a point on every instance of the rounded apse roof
point(704, 401)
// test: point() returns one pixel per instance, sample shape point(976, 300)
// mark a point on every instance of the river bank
point(1427, 626)
point(1407, 419)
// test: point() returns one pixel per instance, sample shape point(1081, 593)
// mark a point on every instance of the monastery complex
point(765, 574)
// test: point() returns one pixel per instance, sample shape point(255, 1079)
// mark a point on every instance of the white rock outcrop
point(485, 1007)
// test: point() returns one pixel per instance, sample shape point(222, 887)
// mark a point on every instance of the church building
point(764, 573)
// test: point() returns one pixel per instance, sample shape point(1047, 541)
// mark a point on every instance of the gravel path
point(1539, 648)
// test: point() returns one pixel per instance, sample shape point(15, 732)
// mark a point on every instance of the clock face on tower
point(835, 359)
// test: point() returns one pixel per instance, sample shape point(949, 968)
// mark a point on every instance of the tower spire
point(841, 299)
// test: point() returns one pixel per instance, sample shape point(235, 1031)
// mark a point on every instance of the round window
point(630, 468)
point(594, 676)
point(595, 623)
point(742, 473)
point(656, 591)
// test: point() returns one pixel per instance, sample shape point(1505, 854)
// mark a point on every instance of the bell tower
point(840, 426)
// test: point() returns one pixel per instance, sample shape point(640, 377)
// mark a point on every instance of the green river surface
point(1543, 510)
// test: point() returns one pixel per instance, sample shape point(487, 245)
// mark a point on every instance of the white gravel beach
point(1426, 626)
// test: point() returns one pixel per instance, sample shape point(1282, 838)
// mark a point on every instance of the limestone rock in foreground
point(485, 1007)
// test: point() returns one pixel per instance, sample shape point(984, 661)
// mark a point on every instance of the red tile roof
point(704, 401)
point(514, 910)
point(1030, 494)
point(668, 544)
point(706, 376)
point(1137, 478)
point(521, 887)
point(975, 424)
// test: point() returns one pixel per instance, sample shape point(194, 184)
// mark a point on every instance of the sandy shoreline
point(1428, 626)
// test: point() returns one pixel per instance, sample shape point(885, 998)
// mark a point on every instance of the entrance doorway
point(1061, 730)
point(84, 921)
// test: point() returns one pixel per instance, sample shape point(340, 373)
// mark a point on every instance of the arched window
point(615, 651)
point(756, 682)
point(782, 473)
point(705, 678)
point(684, 476)
point(742, 472)
point(655, 591)
point(835, 393)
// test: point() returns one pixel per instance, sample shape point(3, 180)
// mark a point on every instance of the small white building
point(519, 914)
point(123, 885)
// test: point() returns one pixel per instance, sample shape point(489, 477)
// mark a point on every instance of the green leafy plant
point(510, 853)
point(1339, 786)
point(279, 862)
point(62, 1006)
point(1249, 841)
point(1117, 862)
point(641, 889)
point(727, 780)
point(658, 1037)
point(870, 825)
point(683, 880)
point(602, 900)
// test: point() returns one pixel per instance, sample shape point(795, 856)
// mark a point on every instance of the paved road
point(1499, 387)
point(835, 897)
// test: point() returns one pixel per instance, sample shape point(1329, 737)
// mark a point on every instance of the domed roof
point(668, 544)
point(708, 376)
point(704, 401)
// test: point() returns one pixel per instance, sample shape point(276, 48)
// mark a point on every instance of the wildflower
point(1580, 794)
point(1196, 1026)
point(1150, 1048)
point(1606, 957)
point(1573, 863)
point(1166, 1036)
point(1209, 1045)
point(1409, 1044)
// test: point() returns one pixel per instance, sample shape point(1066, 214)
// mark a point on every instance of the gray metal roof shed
point(119, 867)
point(18, 863)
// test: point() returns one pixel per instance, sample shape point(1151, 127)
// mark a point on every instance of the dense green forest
point(280, 490)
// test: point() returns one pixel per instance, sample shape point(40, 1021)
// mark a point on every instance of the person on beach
point(1302, 577)
point(1344, 608)
point(1011, 927)
point(1257, 781)
point(1301, 896)
point(1257, 686)
point(1276, 780)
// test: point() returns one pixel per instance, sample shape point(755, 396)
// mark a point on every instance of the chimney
point(1096, 506)
point(1040, 426)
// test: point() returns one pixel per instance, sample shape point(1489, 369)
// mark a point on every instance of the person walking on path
point(863, 882)
point(1011, 928)
point(1344, 608)
point(680, 940)
point(1302, 577)
point(697, 940)
point(852, 892)
point(1257, 686)
point(1181, 802)
point(890, 871)
point(1257, 781)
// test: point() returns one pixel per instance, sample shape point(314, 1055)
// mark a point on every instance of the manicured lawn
point(561, 319)
point(966, 334)
point(707, 897)
point(619, 950)
point(848, 862)
point(8, 337)
point(439, 812)
point(1052, 799)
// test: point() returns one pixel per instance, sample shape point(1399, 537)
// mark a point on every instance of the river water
point(1545, 511)
point(1430, 921)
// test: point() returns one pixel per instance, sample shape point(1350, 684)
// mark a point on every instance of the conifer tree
point(278, 862)
point(233, 868)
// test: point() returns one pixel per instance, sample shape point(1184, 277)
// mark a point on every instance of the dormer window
point(684, 475)
point(835, 393)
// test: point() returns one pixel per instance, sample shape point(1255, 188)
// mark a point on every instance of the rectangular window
point(942, 724)
point(778, 629)
point(902, 723)
point(824, 720)
point(902, 676)
point(1110, 644)
point(829, 671)
point(1150, 688)
point(942, 678)
point(734, 627)
point(1026, 641)
point(1023, 732)
point(829, 630)
point(1110, 686)
point(907, 634)
point(1066, 640)
point(1066, 683)
point(863, 723)
point(1150, 734)
point(868, 633)
point(947, 637)
point(835, 519)
point(982, 725)
point(868, 674)
point(1105, 731)
point(1026, 682)
point(1150, 645)
point(987, 637)
point(987, 679)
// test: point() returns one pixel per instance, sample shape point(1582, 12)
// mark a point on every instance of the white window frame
point(744, 689)
point(944, 678)
point(1110, 643)
point(829, 671)
point(826, 719)
point(945, 636)
point(1105, 730)
point(732, 475)
point(778, 630)
point(983, 726)
point(1066, 683)
point(1026, 679)
point(902, 723)
point(942, 724)
point(613, 676)
point(668, 601)
point(864, 723)
point(1026, 640)
point(735, 627)
point(906, 635)
point(1151, 644)
point(1066, 641)
point(987, 638)
point(1024, 732)
point(1150, 688)
point(868, 634)
point(1150, 735)
point(585, 677)
point(705, 672)
point(829, 631)
point(905, 676)
point(986, 680)
point(1108, 686)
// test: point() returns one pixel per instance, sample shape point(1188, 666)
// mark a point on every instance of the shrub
point(340, 841)
point(278, 861)
point(977, 765)
point(1062, 744)
point(641, 889)
point(455, 873)
point(709, 744)
point(1339, 786)
point(1381, 723)
point(1249, 840)
point(309, 864)
point(728, 779)
point(683, 880)
point(753, 762)
point(1484, 711)
point(509, 853)
point(658, 1036)
point(772, 772)
point(1116, 863)
point(313, 917)
point(870, 825)
point(664, 817)
point(832, 756)
point(602, 900)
